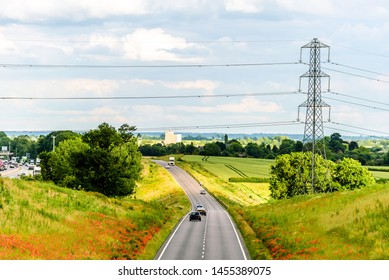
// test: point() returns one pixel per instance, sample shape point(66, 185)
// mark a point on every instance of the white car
point(202, 192)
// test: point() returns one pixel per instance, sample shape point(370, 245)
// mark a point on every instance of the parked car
point(194, 215)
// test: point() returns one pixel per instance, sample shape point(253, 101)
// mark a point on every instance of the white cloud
point(246, 106)
point(156, 45)
point(244, 6)
point(41, 10)
point(325, 7)
point(206, 85)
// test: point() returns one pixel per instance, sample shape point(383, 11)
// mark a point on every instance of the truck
point(171, 161)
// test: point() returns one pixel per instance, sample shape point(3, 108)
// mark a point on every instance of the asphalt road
point(213, 238)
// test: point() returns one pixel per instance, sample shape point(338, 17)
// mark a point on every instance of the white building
point(171, 138)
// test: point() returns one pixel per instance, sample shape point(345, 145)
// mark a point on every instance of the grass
point(343, 225)
point(350, 225)
point(42, 221)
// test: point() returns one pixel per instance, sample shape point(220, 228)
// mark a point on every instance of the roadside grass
point(42, 221)
point(350, 225)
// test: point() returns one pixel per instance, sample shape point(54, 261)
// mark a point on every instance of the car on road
point(203, 192)
point(202, 211)
point(194, 215)
point(167, 166)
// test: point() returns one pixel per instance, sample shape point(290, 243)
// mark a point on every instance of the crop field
point(228, 167)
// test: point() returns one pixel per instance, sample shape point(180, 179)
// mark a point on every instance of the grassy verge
point(42, 221)
point(343, 225)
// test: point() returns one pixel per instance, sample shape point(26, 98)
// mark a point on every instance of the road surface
point(213, 238)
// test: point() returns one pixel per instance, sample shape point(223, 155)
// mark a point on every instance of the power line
point(356, 75)
point(361, 128)
point(346, 130)
point(214, 126)
point(359, 69)
point(145, 66)
point(149, 97)
point(358, 98)
point(358, 104)
point(125, 41)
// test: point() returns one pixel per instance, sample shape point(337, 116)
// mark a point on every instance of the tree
point(211, 149)
point(59, 165)
point(253, 150)
point(352, 146)
point(286, 147)
point(111, 165)
point(235, 148)
point(350, 174)
point(103, 160)
point(336, 143)
point(291, 175)
point(45, 143)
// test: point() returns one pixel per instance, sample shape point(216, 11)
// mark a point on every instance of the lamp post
point(53, 142)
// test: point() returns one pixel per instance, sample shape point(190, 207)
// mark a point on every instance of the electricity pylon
point(313, 131)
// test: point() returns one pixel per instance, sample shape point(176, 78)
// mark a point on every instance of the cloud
point(325, 7)
point(246, 106)
point(157, 45)
point(206, 85)
point(244, 6)
point(42, 10)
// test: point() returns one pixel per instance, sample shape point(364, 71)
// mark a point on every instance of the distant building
point(171, 138)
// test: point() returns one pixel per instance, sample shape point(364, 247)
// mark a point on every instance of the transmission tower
point(313, 131)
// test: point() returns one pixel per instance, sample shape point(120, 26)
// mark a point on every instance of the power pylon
point(314, 131)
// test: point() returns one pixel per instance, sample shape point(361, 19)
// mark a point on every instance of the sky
point(226, 66)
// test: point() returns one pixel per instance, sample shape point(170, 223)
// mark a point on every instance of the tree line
point(334, 146)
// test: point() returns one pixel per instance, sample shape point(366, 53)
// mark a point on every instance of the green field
point(227, 167)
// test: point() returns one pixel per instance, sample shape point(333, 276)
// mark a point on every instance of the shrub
point(292, 175)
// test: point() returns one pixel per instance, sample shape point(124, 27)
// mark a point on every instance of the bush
point(248, 180)
point(292, 175)
point(350, 174)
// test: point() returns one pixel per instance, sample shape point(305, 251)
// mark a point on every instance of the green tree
point(352, 146)
point(45, 143)
point(211, 149)
point(59, 165)
point(286, 147)
point(111, 165)
point(291, 175)
point(350, 174)
point(103, 160)
point(336, 143)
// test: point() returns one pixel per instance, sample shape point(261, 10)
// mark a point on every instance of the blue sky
point(191, 32)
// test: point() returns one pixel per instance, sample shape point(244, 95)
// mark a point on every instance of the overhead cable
point(361, 128)
point(214, 126)
point(145, 66)
point(147, 97)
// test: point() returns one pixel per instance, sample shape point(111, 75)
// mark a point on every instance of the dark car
point(194, 216)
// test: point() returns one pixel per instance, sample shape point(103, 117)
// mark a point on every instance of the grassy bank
point(42, 221)
point(342, 225)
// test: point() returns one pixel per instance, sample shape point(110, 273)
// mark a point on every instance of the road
point(213, 238)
